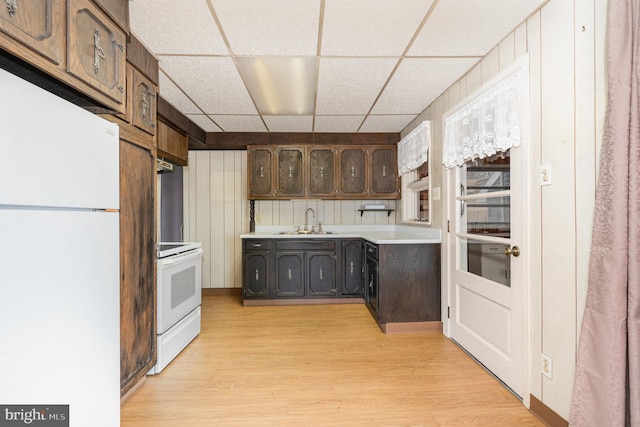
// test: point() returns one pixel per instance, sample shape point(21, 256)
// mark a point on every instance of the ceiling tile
point(167, 27)
point(419, 81)
point(338, 123)
point(289, 123)
point(351, 85)
point(174, 96)
point(205, 123)
point(239, 123)
point(459, 28)
point(211, 82)
point(390, 123)
point(370, 27)
point(270, 27)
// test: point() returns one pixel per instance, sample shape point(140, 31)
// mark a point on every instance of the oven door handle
point(181, 257)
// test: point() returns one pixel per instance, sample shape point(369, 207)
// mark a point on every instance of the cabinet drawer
point(305, 245)
point(372, 251)
point(256, 244)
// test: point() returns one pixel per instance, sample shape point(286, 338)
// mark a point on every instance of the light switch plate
point(545, 174)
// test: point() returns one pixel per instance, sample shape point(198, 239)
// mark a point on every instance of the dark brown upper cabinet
point(384, 172)
point(144, 101)
point(290, 169)
point(172, 144)
point(37, 25)
point(96, 51)
point(321, 172)
point(353, 172)
point(261, 178)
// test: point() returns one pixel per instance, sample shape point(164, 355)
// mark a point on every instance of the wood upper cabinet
point(144, 101)
point(384, 172)
point(290, 172)
point(321, 172)
point(261, 177)
point(118, 10)
point(37, 24)
point(172, 144)
point(326, 172)
point(353, 172)
point(96, 51)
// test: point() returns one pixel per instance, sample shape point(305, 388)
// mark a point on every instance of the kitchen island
point(394, 269)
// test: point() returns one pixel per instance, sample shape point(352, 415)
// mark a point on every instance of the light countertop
point(378, 234)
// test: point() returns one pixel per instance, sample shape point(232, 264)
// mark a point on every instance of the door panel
point(486, 283)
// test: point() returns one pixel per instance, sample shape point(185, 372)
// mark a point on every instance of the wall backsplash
point(329, 212)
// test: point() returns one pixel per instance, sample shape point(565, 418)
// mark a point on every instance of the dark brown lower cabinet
point(321, 274)
point(257, 268)
point(351, 266)
point(137, 263)
point(402, 283)
point(295, 268)
point(289, 275)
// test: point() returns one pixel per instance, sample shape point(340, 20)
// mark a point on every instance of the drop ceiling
point(316, 65)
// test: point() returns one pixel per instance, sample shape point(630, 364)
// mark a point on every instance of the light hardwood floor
point(318, 365)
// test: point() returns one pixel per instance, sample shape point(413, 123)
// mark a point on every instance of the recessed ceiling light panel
point(280, 85)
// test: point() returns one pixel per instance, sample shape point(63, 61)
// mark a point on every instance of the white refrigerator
point(59, 260)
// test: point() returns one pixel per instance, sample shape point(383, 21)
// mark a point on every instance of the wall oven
point(179, 289)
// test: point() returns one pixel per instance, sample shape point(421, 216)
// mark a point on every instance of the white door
point(486, 257)
point(486, 274)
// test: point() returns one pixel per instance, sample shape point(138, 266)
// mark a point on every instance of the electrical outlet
point(546, 366)
point(545, 174)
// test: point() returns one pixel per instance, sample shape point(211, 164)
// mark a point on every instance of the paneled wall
point(216, 212)
point(565, 44)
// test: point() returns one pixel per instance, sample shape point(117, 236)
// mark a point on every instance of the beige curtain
point(607, 383)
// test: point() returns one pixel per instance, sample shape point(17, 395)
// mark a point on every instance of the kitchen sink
point(304, 233)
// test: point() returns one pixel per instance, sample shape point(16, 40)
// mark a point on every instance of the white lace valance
point(484, 126)
point(413, 149)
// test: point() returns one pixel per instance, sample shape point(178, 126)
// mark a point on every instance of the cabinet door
point(37, 24)
point(137, 263)
point(352, 255)
point(353, 172)
point(172, 144)
point(118, 10)
point(256, 274)
point(289, 274)
point(96, 51)
point(371, 285)
point(384, 173)
point(260, 166)
point(321, 172)
point(321, 274)
point(143, 102)
point(290, 172)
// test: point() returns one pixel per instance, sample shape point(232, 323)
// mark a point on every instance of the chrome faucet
point(306, 218)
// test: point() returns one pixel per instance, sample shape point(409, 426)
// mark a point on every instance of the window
point(413, 165)
point(415, 195)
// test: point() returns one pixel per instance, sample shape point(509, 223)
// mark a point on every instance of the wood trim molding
point(300, 301)
point(179, 121)
point(546, 414)
point(412, 327)
point(240, 140)
point(221, 291)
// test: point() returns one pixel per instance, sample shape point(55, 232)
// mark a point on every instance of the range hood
point(163, 166)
